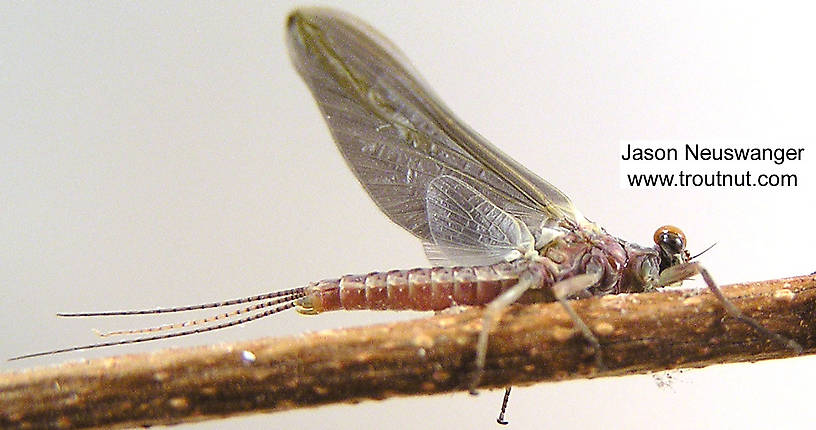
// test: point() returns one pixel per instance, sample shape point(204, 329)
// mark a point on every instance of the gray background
point(162, 154)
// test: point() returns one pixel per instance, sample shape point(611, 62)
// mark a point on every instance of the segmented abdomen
point(416, 289)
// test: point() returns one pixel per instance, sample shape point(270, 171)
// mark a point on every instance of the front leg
point(684, 271)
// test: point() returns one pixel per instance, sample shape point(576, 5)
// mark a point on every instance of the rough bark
point(639, 333)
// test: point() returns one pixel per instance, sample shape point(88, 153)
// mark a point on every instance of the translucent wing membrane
point(468, 229)
point(397, 137)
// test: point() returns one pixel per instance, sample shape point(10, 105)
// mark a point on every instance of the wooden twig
point(639, 333)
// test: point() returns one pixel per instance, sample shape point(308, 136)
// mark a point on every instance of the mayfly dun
point(493, 229)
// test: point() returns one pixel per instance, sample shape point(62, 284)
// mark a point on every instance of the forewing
point(397, 137)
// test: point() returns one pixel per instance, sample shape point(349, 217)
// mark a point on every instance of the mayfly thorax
point(493, 230)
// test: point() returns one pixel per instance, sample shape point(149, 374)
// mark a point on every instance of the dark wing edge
point(397, 137)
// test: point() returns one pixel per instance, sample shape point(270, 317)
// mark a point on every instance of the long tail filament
point(280, 301)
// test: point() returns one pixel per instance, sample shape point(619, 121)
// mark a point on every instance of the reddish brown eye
point(670, 230)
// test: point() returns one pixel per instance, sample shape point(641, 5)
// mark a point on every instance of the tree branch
point(639, 333)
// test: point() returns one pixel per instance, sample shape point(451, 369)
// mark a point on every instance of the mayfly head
point(671, 245)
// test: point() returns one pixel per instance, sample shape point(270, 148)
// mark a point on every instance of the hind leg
point(561, 290)
point(492, 313)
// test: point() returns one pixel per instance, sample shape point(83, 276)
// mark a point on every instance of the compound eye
point(670, 233)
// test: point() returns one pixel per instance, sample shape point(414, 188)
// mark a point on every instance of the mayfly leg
point(684, 271)
point(274, 303)
point(492, 313)
point(570, 286)
point(562, 290)
point(505, 400)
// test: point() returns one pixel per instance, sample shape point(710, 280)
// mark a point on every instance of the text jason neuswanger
point(697, 152)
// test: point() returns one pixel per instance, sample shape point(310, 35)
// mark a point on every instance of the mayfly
point(493, 229)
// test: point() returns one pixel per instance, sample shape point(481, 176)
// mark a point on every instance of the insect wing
point(468, 229)
point(397, 137)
